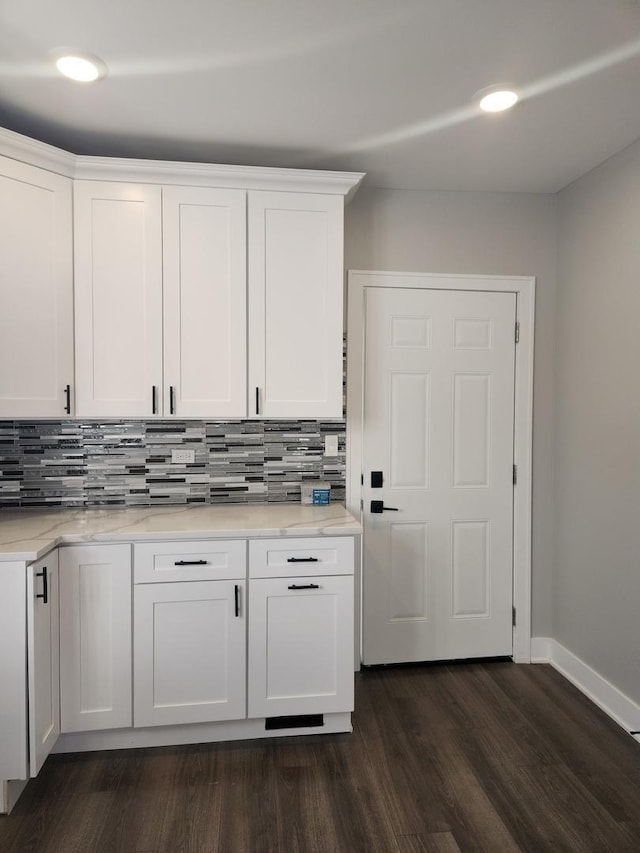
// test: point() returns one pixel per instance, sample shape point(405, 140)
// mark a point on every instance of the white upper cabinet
point(295, 305)
point(205, 302)
point(118, 298)
point(175, 285)
point(36, 292)
point(180, 289)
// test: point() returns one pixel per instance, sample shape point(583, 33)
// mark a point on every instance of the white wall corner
point(617, 705)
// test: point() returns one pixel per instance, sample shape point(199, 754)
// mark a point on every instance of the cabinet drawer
point(156, 562)
point(283, 558)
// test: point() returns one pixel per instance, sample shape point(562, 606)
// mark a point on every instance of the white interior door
point(438, 425)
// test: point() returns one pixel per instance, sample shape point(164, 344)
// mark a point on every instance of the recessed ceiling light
point(80, 66)
point(498, 100)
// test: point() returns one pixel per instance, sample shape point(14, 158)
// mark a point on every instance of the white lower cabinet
point(216, 651)
point(43, 662)
point(95, 637)
point(190, 646)
point(300, 639)
point(300, 627)
point(189, 652)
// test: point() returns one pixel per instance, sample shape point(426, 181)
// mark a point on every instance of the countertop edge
point(38, 546)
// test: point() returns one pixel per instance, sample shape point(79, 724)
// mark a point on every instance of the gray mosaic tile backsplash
point(128, 463)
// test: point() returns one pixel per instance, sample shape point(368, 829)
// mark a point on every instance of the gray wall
point(483, 233)
point(596, 588)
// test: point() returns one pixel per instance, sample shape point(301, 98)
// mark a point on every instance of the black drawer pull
point(302, 560)
point(304, 586)
point(236, 596)
point(191, 563)
point(44, 595)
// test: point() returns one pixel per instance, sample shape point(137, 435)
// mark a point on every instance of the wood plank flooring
point(452, 758)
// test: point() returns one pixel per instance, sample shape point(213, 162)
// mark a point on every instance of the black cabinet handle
point(257, 400)
point(172, 400)
point(378, 506)
point(154, 399)
point(191, 563)
point(44, 595)
point(237, 599)
point(67, 393)
point(304, 586)
point(302, 560)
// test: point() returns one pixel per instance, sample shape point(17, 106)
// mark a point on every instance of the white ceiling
point(381, 86)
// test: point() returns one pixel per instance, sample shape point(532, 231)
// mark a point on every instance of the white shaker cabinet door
point(205, 301)
point(95, 637)
point(301, 646)
point(118, 298)
point(295, 268)
point(36, 292)
point(43, 660)
point(189, 652)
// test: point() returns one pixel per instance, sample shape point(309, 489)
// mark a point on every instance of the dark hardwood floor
point(443, 759)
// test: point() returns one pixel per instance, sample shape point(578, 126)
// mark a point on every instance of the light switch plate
point(331, 445)
point(182, 457)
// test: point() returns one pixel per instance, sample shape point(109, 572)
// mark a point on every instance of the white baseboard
point(541, 649)
point(623, 710)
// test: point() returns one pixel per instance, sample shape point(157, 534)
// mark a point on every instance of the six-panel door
point(189, 652)
point(438, 428)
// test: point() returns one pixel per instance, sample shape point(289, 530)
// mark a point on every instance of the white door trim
point(524, 288)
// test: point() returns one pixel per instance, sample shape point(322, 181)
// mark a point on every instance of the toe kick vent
point(299, 721)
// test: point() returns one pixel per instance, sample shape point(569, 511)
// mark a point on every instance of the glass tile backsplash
point(128, 463)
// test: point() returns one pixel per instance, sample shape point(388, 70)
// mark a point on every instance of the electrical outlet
point(182, 457)
point(331, 445)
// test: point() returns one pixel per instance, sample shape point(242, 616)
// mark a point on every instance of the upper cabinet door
point(205, 302)
point(36, 291)
point(118, 298)
point(295, 265)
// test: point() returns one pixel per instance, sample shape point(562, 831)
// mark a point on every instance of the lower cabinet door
point(43, 660)
point(189, 652)
point(301, 646)
point(95, 637)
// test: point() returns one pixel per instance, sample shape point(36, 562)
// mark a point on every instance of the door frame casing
point(358, 281)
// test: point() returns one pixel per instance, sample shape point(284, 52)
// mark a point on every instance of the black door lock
point(376, 479)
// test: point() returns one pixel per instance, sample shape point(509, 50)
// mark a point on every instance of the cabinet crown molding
point(36, 153)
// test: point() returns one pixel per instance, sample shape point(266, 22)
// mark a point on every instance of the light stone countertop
point(27, 534)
